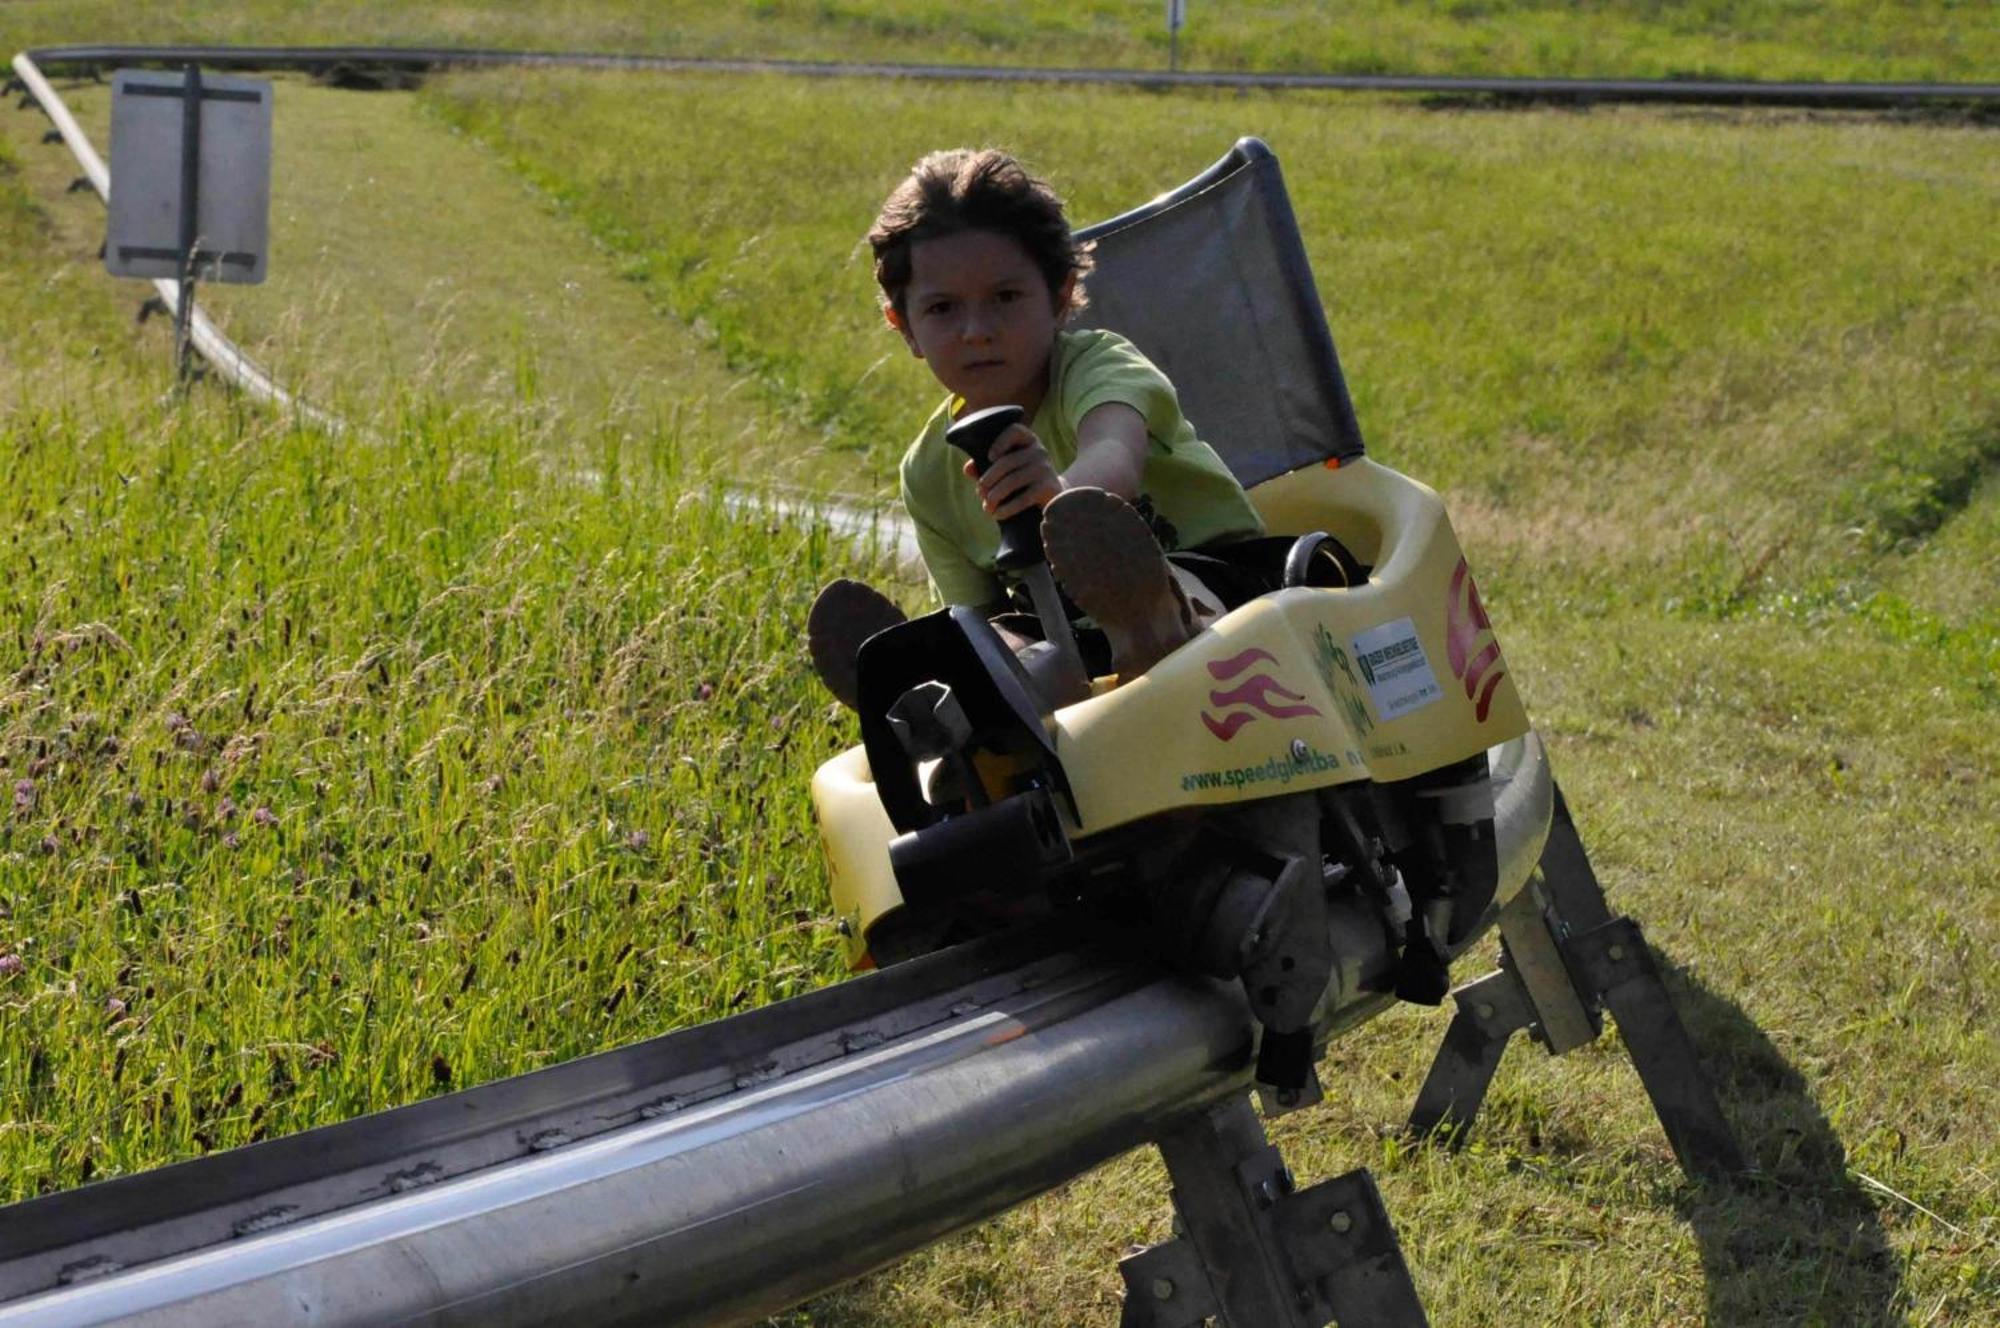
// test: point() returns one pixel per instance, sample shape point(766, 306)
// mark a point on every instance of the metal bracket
point(12, 86)
point(1564, 960)
point(52, 136)
point(79, 185)
point(151, 305)
point(1257, 1253)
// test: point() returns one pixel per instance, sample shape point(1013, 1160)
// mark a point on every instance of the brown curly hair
point(966, 189)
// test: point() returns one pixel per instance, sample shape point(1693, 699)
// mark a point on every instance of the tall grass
point(345, 770)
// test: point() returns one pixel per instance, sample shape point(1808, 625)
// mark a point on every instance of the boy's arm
point(1110, 454)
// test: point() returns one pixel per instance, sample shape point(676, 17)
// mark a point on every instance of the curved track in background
point(861, 524)
point(1711, 92)
point(871, 528)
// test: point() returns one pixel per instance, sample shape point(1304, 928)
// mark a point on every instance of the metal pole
point(190, 219)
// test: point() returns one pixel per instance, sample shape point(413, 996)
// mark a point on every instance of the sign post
point(190, 184)
point(1176, 20)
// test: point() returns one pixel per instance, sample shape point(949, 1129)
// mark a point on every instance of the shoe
point(1107, 560)
point(844, 616)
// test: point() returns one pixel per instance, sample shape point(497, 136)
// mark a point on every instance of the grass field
point(343, 770)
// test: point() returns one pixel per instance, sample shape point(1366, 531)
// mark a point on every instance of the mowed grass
point(1767, 39)
point(1785, 761)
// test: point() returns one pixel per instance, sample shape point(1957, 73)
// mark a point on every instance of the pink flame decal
point(1260, 693)
point(1225, 669)
point(1226, 727)
point(1465, 622)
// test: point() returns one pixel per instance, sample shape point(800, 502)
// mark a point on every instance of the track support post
point(1256, 1252)
point(1564, 961)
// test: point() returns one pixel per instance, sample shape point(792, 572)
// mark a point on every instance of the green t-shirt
point(1186, 493)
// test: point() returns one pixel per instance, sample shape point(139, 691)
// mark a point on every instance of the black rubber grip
point(974, 435)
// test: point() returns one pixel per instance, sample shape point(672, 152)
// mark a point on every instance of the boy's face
point(980, 314)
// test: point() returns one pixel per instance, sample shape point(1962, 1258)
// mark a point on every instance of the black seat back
point(1211, 282)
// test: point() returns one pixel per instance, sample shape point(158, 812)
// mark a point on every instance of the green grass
point(343, 770)
point(1710, 397)
point(1769, 39)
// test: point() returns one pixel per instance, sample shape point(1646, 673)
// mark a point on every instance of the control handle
point(974, 435)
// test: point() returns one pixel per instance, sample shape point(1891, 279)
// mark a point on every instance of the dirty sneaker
point(844, 616)
point(1106, 558)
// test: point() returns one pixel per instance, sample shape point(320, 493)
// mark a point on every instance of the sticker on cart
point(1394, 666)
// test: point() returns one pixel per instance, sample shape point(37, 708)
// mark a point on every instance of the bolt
point(1163, 1288)
point(1484, 1009)
point(1299, 749)
point(1616, 952)
point(1267, 1192)
point(1340, 1223)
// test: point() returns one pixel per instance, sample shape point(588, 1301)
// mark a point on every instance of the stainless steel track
point(710, 1176)
point(1679, 91)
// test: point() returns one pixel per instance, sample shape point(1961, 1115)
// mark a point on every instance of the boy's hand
point(1021, 475)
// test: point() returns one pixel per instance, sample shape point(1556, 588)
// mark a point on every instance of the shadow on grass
point(1798, 1241)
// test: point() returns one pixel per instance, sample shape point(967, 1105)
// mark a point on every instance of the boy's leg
point(844, 616)
point(1110, 564)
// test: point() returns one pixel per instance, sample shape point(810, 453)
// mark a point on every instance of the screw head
point(1484, 1009)
point(1616, 952)
point(1299, 749)
point(1340, 1223)
point(1163, 1288)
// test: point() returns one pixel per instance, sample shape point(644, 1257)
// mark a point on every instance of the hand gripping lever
point(1021, 548)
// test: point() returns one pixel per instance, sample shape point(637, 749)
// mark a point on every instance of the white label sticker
point(1393, 664)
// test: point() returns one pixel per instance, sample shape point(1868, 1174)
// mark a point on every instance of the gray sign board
point(149, 124)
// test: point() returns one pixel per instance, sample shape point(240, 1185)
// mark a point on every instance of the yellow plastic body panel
point(1298, 689)
point(855, 832)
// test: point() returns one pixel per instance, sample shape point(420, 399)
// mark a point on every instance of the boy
point(979, 272)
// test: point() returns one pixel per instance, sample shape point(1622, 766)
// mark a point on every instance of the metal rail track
point(321, 59)
point(710, 1176)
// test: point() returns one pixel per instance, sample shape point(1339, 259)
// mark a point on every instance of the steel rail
point(712, 1176)
point(1739, 92)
